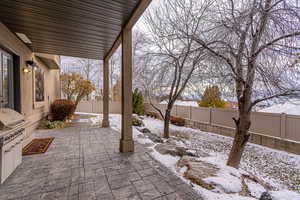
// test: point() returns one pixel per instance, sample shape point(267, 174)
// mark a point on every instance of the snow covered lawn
point(276, 170)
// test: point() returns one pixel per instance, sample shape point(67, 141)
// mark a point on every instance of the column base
point(126, 146)
point(105, 123)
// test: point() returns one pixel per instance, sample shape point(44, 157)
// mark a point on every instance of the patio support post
point(126, 142)
point(105, 121)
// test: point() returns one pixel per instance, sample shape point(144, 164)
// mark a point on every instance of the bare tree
point(90, 69)
point(258, 42)
point(175, 55)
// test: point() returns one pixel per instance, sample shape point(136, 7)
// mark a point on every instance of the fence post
point(283, 125)
point(190, 112)
point(176, 110)
point(210, 115)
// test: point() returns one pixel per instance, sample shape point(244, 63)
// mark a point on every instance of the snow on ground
point(168, 160)
point(183, 103)
point(285, 195)
point(276, 169)
point(291, 107)
point(115, 123)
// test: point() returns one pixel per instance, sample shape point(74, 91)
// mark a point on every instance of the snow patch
point(291, 107)
point(255, 189)
point(167, 160)
point(285, 195)
point(183, 103)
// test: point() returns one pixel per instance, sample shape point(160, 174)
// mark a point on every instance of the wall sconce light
point(30, 64)
point(26, 69)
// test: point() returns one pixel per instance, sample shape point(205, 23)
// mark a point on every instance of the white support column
point(105, 121)
point(126, 142)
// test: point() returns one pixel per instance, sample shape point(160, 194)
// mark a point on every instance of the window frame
point(10, 77)
point(38, 104)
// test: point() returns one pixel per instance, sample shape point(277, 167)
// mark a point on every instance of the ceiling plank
point(81, 28)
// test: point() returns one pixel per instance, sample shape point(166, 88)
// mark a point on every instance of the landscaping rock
point(137, 121)
point(166, 149)
point(197, 171)
point(265, 196)
point(176, 141)
point(144, 130)
point(155, 138)
point(180, 134)
point(173, 150)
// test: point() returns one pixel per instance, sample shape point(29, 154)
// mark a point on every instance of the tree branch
point(274, 41)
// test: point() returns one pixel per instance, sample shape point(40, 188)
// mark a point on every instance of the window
point(6, 80)
point(39, 85)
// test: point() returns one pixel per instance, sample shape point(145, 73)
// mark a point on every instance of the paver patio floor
point(84, 163)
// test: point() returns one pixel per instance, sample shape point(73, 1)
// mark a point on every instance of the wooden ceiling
point(79, 28)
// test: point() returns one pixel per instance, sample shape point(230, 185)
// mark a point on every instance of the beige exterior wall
point(10, 42)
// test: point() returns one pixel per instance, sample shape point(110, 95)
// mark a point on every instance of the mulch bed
point(37, 146)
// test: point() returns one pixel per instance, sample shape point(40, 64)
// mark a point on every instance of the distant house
point(231, 105)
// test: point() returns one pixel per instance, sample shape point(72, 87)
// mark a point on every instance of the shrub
point(212, 98)
point(138, 102)
point(61, 109)
point(178, 121)
point(51, 125)
point(154, 115)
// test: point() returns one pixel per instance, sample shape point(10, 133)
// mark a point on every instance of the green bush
point(51, 125)
point(138, 102)
point(61, 109)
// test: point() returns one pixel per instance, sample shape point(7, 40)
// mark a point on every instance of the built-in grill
point(12, 129)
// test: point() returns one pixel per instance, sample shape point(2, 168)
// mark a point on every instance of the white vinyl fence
point(97, 107)
point(270, 124)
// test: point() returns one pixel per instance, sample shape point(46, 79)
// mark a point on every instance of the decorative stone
point(265, 196)
point(144, 130)
point(197, 171)
point(172, 150)
point(137, 121)
point(166, 149)
point(155, 138)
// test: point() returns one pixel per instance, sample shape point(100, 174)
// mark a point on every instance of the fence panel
point(183, 111)
point(223, 117)
point(293, 127)
point(115, 107)
point(85, 106)
point(200, 114)
point(97, 107)
point(266, 123)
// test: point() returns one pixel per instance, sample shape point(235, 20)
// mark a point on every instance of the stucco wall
point(10, 42)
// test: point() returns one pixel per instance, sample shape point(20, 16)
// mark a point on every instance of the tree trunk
point(167, 123)
point(240, 140)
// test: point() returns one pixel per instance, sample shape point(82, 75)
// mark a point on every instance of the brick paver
point(84, 163)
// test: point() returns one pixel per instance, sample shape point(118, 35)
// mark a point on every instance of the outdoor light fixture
point(24, 38)
point(30, 64)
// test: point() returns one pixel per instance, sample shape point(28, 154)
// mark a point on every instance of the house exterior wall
point(10, 42)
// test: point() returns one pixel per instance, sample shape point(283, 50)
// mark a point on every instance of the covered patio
point(86, 29)
point(84, 162)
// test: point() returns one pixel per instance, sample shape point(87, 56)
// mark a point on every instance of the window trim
point(17, 91)
point(38, 104)
point(10, 76)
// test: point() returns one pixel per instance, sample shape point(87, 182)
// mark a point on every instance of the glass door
point(6, 80)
